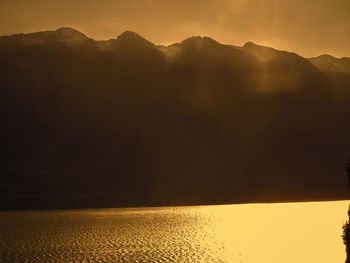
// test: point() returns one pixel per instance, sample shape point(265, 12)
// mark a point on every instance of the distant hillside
point(329, 64)
point(124, 122)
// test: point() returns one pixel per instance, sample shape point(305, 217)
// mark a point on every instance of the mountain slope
point(124, 122)
point(331, 64)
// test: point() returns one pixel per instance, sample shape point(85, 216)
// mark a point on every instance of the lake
point(261, 233)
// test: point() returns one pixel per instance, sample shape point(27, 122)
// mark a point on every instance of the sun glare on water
point(250, 233)
point(286, 232)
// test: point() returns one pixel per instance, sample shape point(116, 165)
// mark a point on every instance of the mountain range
point(125, 122)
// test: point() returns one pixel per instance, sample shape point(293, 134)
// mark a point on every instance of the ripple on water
point(231, 233)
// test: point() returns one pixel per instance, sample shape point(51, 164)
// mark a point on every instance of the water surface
point(261, 233)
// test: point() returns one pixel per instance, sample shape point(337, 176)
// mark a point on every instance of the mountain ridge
point(124, 122)
point(75, 35)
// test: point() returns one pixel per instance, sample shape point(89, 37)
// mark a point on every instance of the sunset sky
point(309, 28)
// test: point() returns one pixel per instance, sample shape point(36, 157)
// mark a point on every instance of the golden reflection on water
point(250, 233)
point(286, 232)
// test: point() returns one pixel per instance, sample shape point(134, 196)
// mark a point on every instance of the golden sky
point(308, 27)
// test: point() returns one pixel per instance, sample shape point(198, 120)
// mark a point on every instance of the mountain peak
point(132, 37)
point(328, 63)
point(329, 58)
point(65, 35)
point(250, 44)
point(70, 34)
point(68, 29)
point(199, 43)
point(200, 40)
point(326, 56)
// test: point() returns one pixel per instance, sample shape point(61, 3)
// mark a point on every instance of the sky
point(307, 27)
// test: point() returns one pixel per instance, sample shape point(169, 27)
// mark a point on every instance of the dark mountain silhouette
point(64, 36)
point(124, 122)
point(330, 64)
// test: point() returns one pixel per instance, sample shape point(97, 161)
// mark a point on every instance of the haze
point(309, 28)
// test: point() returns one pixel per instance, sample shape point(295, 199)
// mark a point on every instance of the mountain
point(62, 35)
point(329, 64)
point(68, 38)
point(124, 122)
point(131, 45)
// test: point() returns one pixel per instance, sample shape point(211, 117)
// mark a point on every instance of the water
point(262, 233)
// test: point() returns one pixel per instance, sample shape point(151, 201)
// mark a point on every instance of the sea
point(251, 233)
